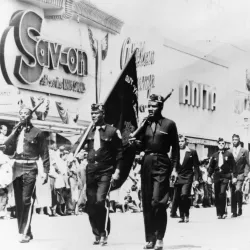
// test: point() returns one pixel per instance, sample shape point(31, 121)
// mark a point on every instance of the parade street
point(204, 231)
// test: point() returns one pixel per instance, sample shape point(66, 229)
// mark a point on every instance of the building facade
point(70, 54)
point(54, 51)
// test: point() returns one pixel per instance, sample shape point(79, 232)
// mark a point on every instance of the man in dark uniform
point(104, 147)
point(28, 143)
point(157, 137)
point(241, 157)
point(187, 172)
point(222, 165)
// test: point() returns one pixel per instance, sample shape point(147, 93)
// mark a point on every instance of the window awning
point(204, 141)
point(71, 132)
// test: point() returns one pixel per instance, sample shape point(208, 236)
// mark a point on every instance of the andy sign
point(37, 57)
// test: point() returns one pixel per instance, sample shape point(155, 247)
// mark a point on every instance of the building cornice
point(80, 11)
point(85, 10)
point(46, 4)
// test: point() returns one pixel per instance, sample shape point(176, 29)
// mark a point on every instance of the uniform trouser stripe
point(24, 189)
point(107, 212)
point(31, 207)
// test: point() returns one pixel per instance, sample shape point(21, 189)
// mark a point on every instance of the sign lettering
point(143, 58)
point(37, 53)
point(197, 95)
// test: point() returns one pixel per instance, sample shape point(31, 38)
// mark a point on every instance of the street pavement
point(203, 232)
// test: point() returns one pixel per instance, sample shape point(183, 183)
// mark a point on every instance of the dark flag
point(121, 110)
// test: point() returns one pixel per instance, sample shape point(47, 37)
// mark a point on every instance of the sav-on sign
point(38, 53)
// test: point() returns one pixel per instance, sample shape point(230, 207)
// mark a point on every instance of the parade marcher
point(222, 165)
point(26, 143)
point(158, 135)
point(187, 171)
point(104, 147)
point(241, 157)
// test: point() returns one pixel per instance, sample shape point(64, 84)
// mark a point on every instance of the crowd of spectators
point(63, 194)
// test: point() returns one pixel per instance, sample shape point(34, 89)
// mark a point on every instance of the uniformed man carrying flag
point(156, 137)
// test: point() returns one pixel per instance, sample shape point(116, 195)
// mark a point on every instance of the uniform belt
point(155, 154)
point(25, 161)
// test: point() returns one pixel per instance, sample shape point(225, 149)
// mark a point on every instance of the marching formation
point(167, 163)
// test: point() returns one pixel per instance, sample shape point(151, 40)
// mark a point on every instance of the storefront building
point(54, 51)
point(70, 53)
point(209, 90)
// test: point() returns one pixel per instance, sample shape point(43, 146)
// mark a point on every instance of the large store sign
point(37, 54)
point(197, 95)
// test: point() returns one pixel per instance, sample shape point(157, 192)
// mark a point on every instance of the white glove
point(196, 183)
point(209, 180)
point(234, 180)
point(115, 177)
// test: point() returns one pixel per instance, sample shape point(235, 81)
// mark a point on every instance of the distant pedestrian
point(241, 157)
point(187, 172)
point(222, 166)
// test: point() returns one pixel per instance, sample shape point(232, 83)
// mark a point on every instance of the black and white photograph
point(124, 124)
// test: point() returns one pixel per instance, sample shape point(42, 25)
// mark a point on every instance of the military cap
point(25, 107)
point(156, 98)
point(97, 107)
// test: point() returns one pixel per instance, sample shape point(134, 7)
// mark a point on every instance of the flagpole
point(83, 139)
point(91, 124)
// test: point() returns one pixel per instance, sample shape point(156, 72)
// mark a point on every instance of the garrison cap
point(156, 98)
point(97, 107)
point(25, 107)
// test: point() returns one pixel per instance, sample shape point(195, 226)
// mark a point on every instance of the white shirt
point(19, 147)
point(182, 154)
point(236, 151)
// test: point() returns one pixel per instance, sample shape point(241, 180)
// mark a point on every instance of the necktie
point(97, 140)
point(19, 148)
point(220, 163)
point(235, 153)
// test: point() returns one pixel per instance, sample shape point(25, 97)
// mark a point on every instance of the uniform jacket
point(164, 138)
point(226, 170)
point(110, 153)
point(242, 163)
point(189, 169)
point(35, 146)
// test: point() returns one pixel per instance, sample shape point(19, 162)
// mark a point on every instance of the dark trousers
point(98, 187)
point(182, 196)
point(208, 199)
point(24, 190)
point(220, 188)
point(236, 196)
point(155, 175)
point(175, 204)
